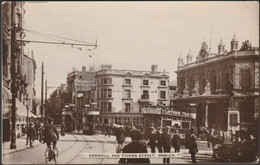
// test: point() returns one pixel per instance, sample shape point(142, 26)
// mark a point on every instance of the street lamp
point(132, 108)
point(27, 118)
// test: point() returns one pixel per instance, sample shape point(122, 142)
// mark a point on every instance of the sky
point(132, 35)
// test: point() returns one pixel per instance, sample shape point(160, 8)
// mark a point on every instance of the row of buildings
point(199, 98)
point(25, 69)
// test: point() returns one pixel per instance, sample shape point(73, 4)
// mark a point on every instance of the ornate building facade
point(207, 83)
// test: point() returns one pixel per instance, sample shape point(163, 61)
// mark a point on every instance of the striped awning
point(21, 110)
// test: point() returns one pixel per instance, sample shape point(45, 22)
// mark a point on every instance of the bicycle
point(51, 155)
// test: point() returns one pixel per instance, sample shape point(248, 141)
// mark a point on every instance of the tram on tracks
point(90, 119)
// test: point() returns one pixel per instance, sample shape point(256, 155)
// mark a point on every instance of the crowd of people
point(44, 132)
point(154, 137)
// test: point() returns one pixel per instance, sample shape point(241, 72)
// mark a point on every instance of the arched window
point(245, 78)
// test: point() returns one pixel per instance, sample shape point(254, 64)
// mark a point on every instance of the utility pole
point(42, 94)
point(13, 75)
point(46, 88)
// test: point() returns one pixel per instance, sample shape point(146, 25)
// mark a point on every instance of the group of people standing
point(163, 139)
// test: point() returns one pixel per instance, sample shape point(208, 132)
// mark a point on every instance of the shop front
point(21, 115)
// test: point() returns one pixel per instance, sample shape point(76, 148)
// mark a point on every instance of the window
point(245, 79)
point(106, 93)
point(163, 83)
point(145, 92)
point(103, 107)
point(109, 107)
point(127, 93)
point(109, 93)
point(127, 107)
point(128, 81)
point(106, 81)
point(163, 95)
point(145, 82)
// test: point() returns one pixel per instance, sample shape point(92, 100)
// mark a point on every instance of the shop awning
point(21, 110)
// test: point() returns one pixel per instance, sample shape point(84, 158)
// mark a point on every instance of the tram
point(90, 119)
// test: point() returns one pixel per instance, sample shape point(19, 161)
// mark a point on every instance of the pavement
point(21, 144)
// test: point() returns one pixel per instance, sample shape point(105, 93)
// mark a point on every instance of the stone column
point(206, 115)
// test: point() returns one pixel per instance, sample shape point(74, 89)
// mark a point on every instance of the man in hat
point(166, 142)
point(193, 148)
point(176, 141)
point(135, 147)
point(50, 131)
point(120, 137)
point(31, 134)
point(152, 139)
point(158, 137)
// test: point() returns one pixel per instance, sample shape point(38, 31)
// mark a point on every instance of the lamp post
point(132, 108)
point(28, 99)
point(13, 76)
point(27, 118)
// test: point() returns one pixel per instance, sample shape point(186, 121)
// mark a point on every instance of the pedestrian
point(166, 142)
point(108, 130)
point(193, 148)
point(158, 136)
point(176, 141)
point(37, 126)
point(103, 128)
point(62, 129)
point(41, 132)
point(135, 147)
point(152, 140)
point(120, 137)
point(23, 129)
point(31, 134)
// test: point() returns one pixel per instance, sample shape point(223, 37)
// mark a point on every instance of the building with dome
point(221, 88)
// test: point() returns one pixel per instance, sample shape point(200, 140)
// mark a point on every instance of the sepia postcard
point(113, 82)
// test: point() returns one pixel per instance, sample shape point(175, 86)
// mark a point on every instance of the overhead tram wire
point(57, 36)
point(63, 43)
point(46, 37)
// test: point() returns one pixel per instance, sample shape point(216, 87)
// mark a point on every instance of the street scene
point(130, 82)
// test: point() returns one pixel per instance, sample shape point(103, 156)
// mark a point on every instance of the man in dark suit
point(120, 137)
point(166, 142)
point(176, 141)
point(193, 148)
point(158, 136)
point(31, 134)
point(152, 140)
point(50, 131)
point(135, 147)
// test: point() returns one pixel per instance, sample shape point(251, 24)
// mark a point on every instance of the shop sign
point(92, 112)
point(151, 110)
point(80, 94)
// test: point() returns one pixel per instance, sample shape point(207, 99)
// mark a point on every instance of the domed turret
point(221, 47)
point(234, 44)
point(180, 61)
point(189, 58)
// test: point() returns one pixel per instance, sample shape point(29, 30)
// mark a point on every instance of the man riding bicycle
point(50, 131)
